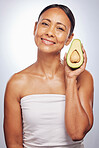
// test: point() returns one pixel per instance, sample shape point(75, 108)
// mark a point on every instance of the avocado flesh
point(75, 54)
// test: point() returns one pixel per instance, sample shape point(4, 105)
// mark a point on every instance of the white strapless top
point(44, 122)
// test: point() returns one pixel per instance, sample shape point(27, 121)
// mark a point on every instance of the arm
point(79, 102)
point(12, 116)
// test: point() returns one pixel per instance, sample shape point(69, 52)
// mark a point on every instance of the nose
point(50, 31)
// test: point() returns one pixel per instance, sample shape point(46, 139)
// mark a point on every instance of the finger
point(84, 54)
point(85, 57)
point(82, 48)
point(65, 55)
point(84, 64)
point(65, 58)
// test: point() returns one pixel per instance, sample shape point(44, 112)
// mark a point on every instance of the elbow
point(79, 134)
point(77, 137)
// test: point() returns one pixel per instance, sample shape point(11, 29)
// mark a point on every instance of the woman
point(48, 104)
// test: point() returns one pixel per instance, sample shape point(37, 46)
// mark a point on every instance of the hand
point(75, 73)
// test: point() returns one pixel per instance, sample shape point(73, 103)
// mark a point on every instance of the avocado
point(75, 57)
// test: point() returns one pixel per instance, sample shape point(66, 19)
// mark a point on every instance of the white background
point(18, 50)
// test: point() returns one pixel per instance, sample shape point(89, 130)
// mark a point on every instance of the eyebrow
point(61, 24)
point(57, 22)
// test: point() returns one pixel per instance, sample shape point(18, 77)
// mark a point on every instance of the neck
point(48, 64)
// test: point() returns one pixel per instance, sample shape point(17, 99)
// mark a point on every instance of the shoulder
point(15, 85)
point(20, 81)
point(17, 79)
point(20, 78)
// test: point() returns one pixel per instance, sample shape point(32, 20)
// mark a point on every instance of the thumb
point(65, 58)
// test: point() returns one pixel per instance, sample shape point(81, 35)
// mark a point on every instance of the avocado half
point(75, 54)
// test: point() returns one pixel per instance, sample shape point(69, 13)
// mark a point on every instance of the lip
point(47, 42)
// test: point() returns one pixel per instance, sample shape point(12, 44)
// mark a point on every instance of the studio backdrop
point(18, 50)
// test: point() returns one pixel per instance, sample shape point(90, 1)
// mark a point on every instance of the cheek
point(40, 31)
point(62, 38)
point(37, 33)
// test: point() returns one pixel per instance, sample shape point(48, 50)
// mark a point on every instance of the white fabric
point(43, 122)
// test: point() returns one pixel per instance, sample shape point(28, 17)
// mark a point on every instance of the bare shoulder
point(15, 85)
point(17, 79)
point(18, 82)
point(20, 78)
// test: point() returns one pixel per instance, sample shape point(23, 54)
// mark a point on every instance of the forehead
point(55, 14)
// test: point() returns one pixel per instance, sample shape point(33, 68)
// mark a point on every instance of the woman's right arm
point(12, 115)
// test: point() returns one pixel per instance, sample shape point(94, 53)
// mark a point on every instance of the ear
point(35, 27)
point(69, 39)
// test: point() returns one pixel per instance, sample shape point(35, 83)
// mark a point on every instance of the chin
point(50, 50)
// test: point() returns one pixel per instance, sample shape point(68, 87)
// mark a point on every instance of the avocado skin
point(74, 66)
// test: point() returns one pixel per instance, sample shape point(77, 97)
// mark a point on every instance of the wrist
point(70, 79)
point(70, 82)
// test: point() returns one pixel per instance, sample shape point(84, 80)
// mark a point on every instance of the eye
point(60, 28)
point(43, 23)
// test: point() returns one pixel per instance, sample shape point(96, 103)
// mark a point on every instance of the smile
point(47, 42)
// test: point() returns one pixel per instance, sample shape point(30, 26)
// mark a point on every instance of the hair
point(67, 11)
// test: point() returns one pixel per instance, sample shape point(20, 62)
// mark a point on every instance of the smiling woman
point(53, 28)
point(48, 104)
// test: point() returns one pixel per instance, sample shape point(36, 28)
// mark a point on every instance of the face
point(52, 31)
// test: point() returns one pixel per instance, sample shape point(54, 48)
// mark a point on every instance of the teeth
point(48, 42)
